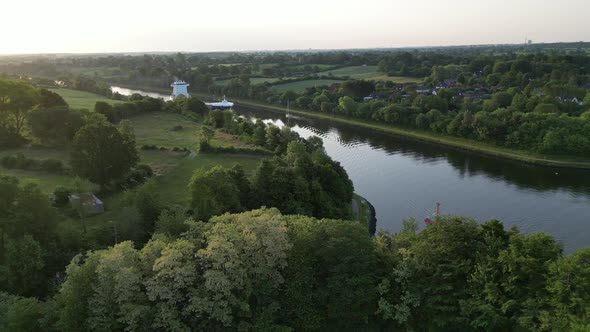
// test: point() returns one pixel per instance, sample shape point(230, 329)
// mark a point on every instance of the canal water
point(405, 179)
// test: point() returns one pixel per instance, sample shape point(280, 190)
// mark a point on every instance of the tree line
point(262, 270)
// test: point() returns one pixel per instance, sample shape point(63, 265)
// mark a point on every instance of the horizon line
point(297, 49)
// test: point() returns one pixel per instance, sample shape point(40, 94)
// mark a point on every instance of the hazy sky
point(56, 26)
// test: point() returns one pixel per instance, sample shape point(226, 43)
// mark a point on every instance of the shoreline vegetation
point(452, 142)
point(421, 136)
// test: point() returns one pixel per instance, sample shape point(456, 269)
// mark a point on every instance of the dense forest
point(262, 270)
point(271, 242)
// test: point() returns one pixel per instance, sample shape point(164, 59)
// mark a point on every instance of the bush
point(61, 196)
point(136, 176)
point(206, 147)
point(20, 161)
point(51, 165)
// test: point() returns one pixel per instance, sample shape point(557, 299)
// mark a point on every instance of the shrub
point(20, 161)
point(51, 165)
point(61, 196)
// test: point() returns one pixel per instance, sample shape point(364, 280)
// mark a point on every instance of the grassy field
point(300, 86)
point(81, 99)
point(47, 181)
point(319, 65)
point(253, 80)
point(172, 184)
point(158, 129)
point(368, 73)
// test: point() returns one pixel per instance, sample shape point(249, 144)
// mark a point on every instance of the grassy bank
point(82, 99)
point(453, 142)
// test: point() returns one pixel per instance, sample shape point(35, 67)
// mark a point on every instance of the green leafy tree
point(102, 154)
point(244, 259)
point(330, 275)
point(55, 125)
point(49, 99)
point(24, 263)
point(107, 110)
point(569, 286)
point(172, 221)
point(213, 192)
point(25, 315)
point(195, 105)
point(206, 134)
point(17, 99)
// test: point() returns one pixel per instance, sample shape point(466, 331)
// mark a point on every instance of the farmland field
point(368, 73)
point(253, 80)
point(300, 86)
point(319, 65)
point(82, 99)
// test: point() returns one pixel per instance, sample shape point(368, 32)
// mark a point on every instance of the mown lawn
point(300, 86)
point(82, 99)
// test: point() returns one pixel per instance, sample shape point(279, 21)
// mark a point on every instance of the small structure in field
point(86, 204)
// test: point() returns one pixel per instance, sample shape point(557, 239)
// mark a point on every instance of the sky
point(82, 26)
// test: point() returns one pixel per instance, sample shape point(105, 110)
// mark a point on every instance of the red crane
point(437, 213)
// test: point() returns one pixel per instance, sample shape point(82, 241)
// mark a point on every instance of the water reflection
point(404, 178)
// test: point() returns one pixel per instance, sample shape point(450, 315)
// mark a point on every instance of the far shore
point(449, 141)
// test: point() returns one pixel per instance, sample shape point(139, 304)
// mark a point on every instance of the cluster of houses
point(474, 92)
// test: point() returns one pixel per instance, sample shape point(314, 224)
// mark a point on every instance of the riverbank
point(416, 135)
point(449, 141)
point(364, 212)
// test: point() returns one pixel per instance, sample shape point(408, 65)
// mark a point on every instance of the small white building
point(179, 88)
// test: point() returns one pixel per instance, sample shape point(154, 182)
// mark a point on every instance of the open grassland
point(253, 80)
point(159, 129)
point(98, 71)
point(300, 86)
point(172, 184)
point(48, 181)
point(368, 73)
point(174, 130)
point(82, 99)
point(259, 80)
point(319, 65)
point(397, 79)
point(358, 72)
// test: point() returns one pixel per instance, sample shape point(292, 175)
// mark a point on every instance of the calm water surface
point(405, 179)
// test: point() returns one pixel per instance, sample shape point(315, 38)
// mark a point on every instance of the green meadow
point(368, 73)
point(81, 99)
point(300, 86)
